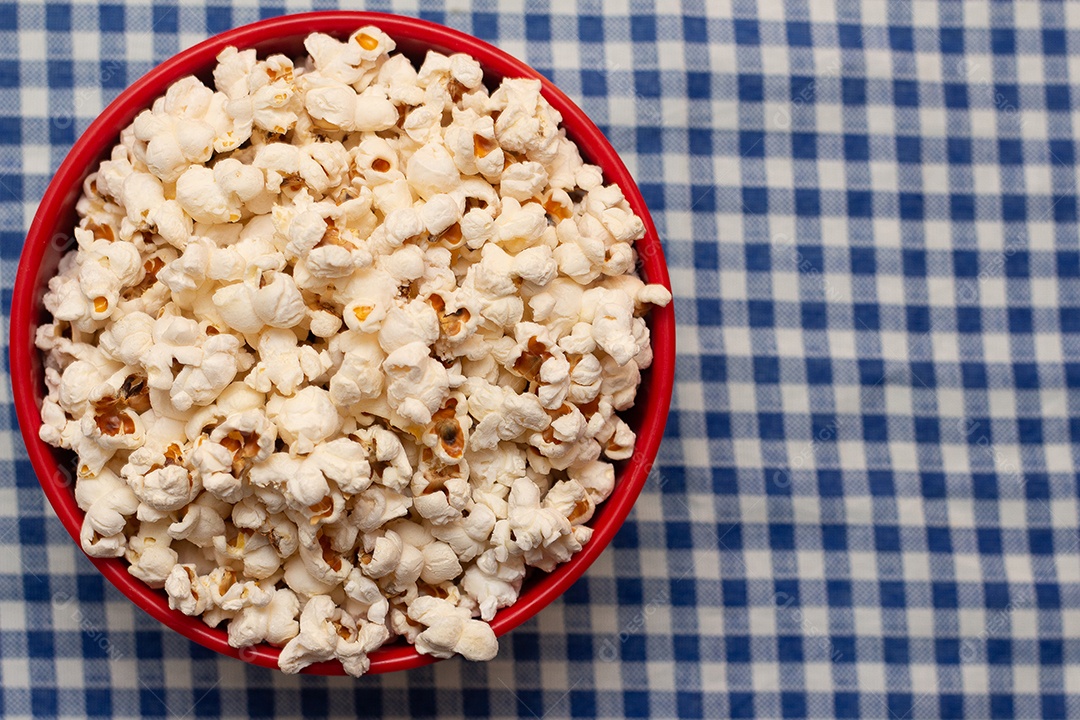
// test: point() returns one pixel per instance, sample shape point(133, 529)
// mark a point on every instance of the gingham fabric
point(866, 502)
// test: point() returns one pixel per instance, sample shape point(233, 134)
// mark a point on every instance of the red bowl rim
point(103, 133)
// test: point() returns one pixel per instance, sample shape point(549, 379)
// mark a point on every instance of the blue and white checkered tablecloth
point(866, 503)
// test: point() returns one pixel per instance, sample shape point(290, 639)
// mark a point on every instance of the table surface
point(866, 502)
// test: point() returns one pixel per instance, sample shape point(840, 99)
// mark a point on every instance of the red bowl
point(51, 233)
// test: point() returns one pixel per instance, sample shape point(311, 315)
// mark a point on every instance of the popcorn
point(148, 552)
point(258, 556)
point(451, 630)
point(531, 523)
point(108, 502)
point(222, 459)
point(200, 383)
point(278, 302)
point(342, 346)
point(201, 197)
point(523, 181)
point(343, 461)
point(231, 595)
point(440, 490)
point(159, 477)
point(334, 59)
point(359, 375)
point(417, 384)
point(284, 365)
point(519, 226)
point(366, 299)
point(174, 143)
point(301, 581)
point(322, 562)
point(547, 557)
point(472, 142)
point(273, 95)
point(327, 631)
point(378, 505)
point(431, 171)
point(364, 598)
point(468, 534)
point(199, 523)
point(305, 419)
point(527, 124)
point(188, 592)
point(274, 623)
point(493, 584)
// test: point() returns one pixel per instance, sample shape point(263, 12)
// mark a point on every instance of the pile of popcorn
point(342, 347)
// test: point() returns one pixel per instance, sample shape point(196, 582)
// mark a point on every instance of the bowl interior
point(50, 235)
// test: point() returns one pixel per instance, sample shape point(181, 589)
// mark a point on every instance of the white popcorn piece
point(619, 382)
point(471, 139)
point(274, 103)
point(187, 590)
point(200, 383)
point(440, 490)
point(307, 418)
point(284, 365)
point(301, 581)
point(252, 551)
point(620, 445)
point(502, 414)
point(230, 594)
point(334, 59)
point(384, 557)
point(374, 112)
point(326, 632)
point(535, 265)
point(450, 630)
point(278, 302)
point(108, 503)
point(343, 461)
point(78, 380)
point(547, 557)
point(330, 103)
point(199, 522)
point(365, 599)
point(431, 171)
point(359, 375)
point(532, 524)
point(235, 305)
point(367, 298)
point(519, 226)
point(160, 478)
point(417, 384)
point(523, 181)
point(598, 479)
point(572, 500)
point(232, 71)
point(323, 562)
point(274, 623)
point(493, 584)
point(221, 459)
point(417, 322)
point(467, 536)
point(202, 198)
point(148, 552)
point(439, 564)
point(527, 124)
point(378, 505)
point(174, 142)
